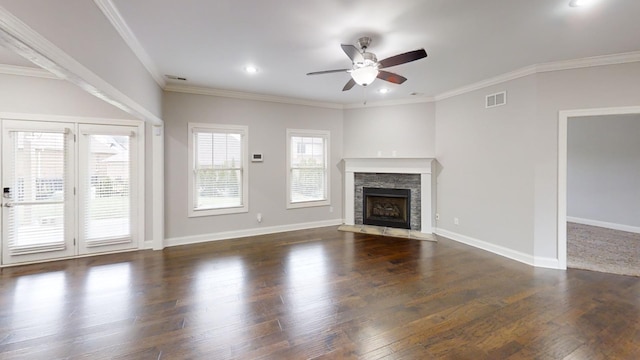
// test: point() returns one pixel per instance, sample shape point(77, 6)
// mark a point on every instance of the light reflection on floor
point(308, 297)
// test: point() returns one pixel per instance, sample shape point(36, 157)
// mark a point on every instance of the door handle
point(8, 204)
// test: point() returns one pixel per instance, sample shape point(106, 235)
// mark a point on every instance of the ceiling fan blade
point(352, 52)
point(328, 72)
point(402, 58)
point(391, 77)
point(349, 85)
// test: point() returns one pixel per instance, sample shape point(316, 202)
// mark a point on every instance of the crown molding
point(188, 89)
point(112, 14)
point(594, 61)
point(613, 59)
point(19, 37)
point(526, 71)
point(26, 71)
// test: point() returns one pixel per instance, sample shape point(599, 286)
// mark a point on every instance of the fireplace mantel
point(422, 166)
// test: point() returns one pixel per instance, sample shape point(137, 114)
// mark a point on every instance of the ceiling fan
point(366, 67)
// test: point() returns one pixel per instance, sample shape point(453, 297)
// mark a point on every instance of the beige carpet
point(386, 231)
point(605, 250)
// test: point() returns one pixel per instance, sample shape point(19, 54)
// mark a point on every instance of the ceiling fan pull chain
point(364, 95)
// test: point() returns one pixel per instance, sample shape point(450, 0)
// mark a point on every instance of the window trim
point(326, 134)
point(244, 146)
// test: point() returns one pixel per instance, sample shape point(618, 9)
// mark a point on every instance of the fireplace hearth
point(386, 207)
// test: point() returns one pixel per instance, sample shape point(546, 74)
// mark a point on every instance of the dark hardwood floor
point(315, 294)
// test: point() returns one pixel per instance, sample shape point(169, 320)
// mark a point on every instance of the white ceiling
point(210, 42)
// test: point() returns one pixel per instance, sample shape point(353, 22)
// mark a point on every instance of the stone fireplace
point(412, 175)
point(386, 207)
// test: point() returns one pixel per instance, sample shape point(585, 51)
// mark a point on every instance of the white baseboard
point(603, 224)
point(195, 239)
point(500, 250)
point(148, 245)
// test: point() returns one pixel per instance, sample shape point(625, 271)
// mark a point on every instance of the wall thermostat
point(256, 157)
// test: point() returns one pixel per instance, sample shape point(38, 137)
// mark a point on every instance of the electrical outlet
point(259, 217)
point(456, 221)
point(330, 209)
point(437, 216)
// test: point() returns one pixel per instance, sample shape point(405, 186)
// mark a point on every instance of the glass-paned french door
point(67, 189)
point(37, 191)
point(107, 188)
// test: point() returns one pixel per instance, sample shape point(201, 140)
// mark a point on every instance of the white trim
point(244, 143)
point(157, 166)
point(421, 166)
point(27, 71)
point(603, 60)
point(110, 11)
point(612, 59)
point(19, 37)
point(68, 119)
point(65, 258)
point(326, 136)
point(500, 250)
point(563, 119)
point(604, 224)
point(526, 71)
point(196, 239)
point(187, 89)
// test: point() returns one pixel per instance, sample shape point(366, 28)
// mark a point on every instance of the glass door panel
point(108, 200)
point(38, 193)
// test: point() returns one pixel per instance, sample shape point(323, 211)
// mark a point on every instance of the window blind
point(308, 180)
point(218, 169)
point(37, 178)
point(107, 205)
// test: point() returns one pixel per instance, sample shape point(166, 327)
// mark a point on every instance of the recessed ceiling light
point(250, 69)
point(383, 91)
point(578, 3)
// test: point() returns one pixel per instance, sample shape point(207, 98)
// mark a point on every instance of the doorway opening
point(563, 142)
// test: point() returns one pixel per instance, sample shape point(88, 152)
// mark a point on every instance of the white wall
point(31, 95)
point(603, 168)
point(409, 130)
point(485, 165)
point(267, 124)
point(498, 168)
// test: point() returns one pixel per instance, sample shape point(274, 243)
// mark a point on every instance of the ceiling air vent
point(496, 99)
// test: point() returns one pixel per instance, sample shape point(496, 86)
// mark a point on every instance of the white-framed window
point(307, 168)
point(218, 169)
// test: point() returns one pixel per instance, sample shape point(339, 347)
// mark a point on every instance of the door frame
point(140, 136)
point(563, 137)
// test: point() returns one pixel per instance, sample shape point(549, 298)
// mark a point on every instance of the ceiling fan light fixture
point(579, 3)
point(364, 75)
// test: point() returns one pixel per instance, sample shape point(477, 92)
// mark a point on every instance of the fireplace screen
point(386, 207)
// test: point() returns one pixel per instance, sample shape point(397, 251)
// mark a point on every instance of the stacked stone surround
point(389, 181)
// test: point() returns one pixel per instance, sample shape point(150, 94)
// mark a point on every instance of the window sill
point(214, 212)
point(307, 204)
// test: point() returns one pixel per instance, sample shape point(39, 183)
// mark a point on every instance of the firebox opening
point(387, 207)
